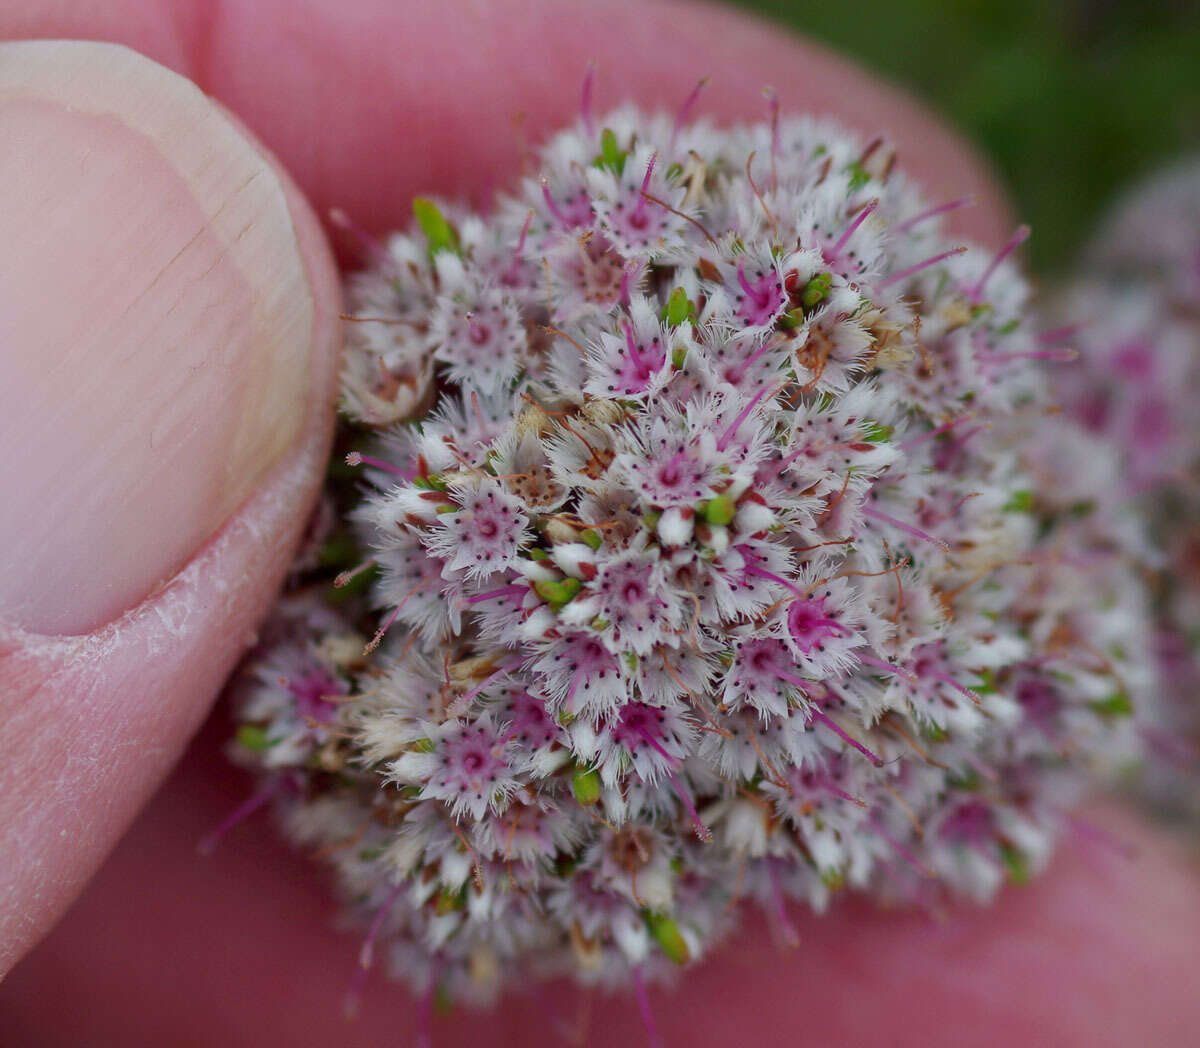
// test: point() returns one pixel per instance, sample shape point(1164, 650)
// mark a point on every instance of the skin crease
point(367, 103)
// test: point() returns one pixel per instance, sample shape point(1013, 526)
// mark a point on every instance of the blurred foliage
point(1071, 99)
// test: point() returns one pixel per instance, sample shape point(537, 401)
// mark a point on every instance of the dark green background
point(1071, 99)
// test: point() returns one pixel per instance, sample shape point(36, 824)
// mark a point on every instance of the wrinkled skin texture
point(365, 104)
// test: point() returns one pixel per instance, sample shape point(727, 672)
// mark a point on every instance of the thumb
point(169, 319)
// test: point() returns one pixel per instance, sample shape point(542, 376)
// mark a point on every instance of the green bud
point(585, 784)
point(969, 781)
point(1116, 705)
point(423, 745)
point(439, 234)
point(792, 319)
point(557, 594)
point(447, 901)
point(1016, 864)
point(719, 511)
point(252, 738)
point(666, 933)
point(815, 291)
point(1019, 502)
point(433, 482)
point(834, 879)
point(987, 682)
point(611, 155)
point(858, 176)
point(538, 554)
point(678, 308)
point(592, 538)
point(876, 432)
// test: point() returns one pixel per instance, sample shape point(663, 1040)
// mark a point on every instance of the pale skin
point(147, 521)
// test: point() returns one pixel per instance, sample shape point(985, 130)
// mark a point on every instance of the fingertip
point(176, 404)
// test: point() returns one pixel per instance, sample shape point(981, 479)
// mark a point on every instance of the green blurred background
point(1071, 99)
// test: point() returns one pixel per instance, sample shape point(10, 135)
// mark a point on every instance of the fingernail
point(156, 327)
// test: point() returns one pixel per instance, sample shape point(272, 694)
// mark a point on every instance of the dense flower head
point(704, 565)
point(1134, 313)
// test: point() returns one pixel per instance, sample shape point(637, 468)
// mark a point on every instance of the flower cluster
point(706, 566)
point(1135, 314)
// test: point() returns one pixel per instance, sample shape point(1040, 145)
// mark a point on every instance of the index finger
point(369, 102)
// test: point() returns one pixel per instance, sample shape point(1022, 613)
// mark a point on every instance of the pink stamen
point(353, 999)
point(344, 578)
point(569, 698)
point(773, 118)
point(750, 291)
point(702, 831)
point(974, 431)
point(1014, 242)
point(727, 436)
point(643, 371)
point(887, 667)
point(380, 633)
point(637, 217)
point(553, 207)
point(1060, 334)
point(643, 1001)
point(239, 814)
point(908, 529)
point(685, 110)
point(796, 682)
point(355, 459)
point(759, 573)
point(832, 725)
point(475, 406)
point(503, 591)
point(1063, 356)
point(908, 445)
point(932, 212)
point(466, 699)
point(859, 219)
point(945, 678)
point(510, 275)
point(585, 100)
point(917, 267)
point(655, 745)
point(790, 936)
point(837, 791)
point(424, 1038)
point(366, 954)
point(627, 274)
point(900, 850)
point(370, 246)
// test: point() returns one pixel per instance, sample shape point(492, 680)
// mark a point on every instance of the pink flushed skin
point(96, 722)
point(416, 83)
point(1098, 953)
